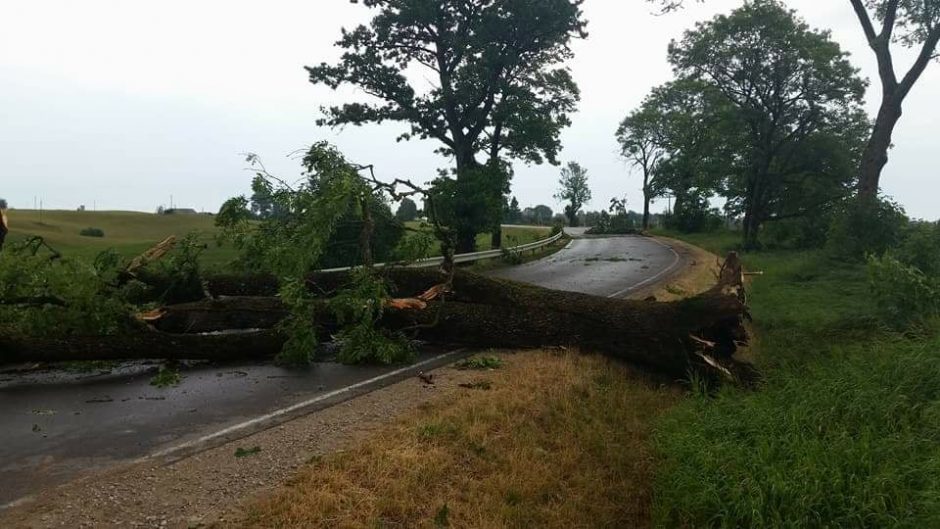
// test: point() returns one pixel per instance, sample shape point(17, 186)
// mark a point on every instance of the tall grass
point(843, 434)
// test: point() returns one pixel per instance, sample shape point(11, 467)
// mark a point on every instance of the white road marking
point(655, 277)
point(290, 409)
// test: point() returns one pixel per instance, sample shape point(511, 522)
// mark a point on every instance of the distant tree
point(499, 88)
point(539, 215)
point(642, 144)
point(512, 214)
point(407, 210)
point(574, 190)
point(618, 206)
point(787, 87)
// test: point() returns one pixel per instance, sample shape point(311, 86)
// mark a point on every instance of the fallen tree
point(701, 332)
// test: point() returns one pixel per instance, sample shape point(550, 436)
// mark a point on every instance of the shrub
point(694, 216)
point(92, 232)
point(921, 247)
point(862, 228)
point(903, 292)
point(805, 232)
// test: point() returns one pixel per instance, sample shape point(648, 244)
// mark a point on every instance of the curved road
point(602, 266)
point(55, 425)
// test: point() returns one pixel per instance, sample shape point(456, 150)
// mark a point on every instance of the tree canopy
point(910, 23)
point(793, 93)
point(499, 86)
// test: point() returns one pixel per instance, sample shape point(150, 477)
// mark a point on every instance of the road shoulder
point(697, 272)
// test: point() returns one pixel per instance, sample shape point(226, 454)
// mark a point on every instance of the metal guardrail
point(466, 257)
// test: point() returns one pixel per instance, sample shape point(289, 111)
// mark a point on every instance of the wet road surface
point(56, 424)
point(609, 266)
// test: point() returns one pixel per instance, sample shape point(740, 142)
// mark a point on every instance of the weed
point(245, 452)
point(442, 518)
point(167, 376)
point(485, 385)
point(481, 363)
point(436, 429)
point(674, 290)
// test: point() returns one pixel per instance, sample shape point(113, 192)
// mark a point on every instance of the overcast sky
point(120, 104)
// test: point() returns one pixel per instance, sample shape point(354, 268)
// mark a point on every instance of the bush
point(805, 232)
point(903, 292)
point(92, 232)
point(859, 229)
point(921, 247)
point(694, 216)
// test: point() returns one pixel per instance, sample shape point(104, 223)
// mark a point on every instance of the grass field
point(843, 434)
point(131, 233)
point(512, 236)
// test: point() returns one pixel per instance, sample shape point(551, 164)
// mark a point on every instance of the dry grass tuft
point(559, 440)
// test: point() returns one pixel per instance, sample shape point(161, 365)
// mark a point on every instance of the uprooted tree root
point(698, 333)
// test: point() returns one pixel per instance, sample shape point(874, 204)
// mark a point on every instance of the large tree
point(910, 23)
point(786, 85)
point(574, 190)
point(499, 88)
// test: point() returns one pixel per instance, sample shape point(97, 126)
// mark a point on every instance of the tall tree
point(785, 83)
point(910, 23)
point(574, 190)
point(641, 143)
point(499, 85)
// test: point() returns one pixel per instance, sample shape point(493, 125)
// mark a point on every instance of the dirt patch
point(699, 273)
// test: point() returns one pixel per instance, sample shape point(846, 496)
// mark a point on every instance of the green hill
point(128, 232)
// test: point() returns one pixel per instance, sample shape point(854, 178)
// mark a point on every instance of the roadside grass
point(845, 430)
point(558, 440)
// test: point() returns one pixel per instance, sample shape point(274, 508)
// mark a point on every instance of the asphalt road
point(56, 424)
point(602, 266)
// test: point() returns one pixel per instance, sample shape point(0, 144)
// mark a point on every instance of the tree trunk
point(875, 156)
point(481, 312)
point(646, 209)
point(496, 238)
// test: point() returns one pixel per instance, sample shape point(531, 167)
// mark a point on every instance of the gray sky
point(123, 103)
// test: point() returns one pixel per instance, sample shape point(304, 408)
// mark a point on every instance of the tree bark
point(671, 338)
point(875, 156)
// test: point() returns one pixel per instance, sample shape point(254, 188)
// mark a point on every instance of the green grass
point(845, 431)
